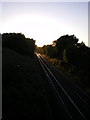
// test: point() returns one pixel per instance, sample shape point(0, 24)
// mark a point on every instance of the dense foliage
point(70, 56)
point(18, 43)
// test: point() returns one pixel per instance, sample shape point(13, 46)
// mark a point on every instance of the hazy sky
point(47, 21)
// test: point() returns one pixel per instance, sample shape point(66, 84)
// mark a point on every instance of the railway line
point(74, 100)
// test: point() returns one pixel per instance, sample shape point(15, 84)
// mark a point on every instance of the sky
point(45, 21)
point(89, 24)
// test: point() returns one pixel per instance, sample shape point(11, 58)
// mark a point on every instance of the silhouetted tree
point(18, 43)
point(30, 45)
point(74, 57)
point(44, 49)
point(49, 50)
point(63, 42)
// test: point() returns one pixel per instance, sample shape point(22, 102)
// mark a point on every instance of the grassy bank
point(23, 91)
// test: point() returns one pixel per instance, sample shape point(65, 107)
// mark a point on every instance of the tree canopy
point(18, 43)
point(74, 57)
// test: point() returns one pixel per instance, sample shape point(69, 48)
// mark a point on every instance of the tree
point(63, 42)
point(18, 43)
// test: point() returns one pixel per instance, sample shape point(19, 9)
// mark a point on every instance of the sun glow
point(38, 27)
point(41, 28)
point(45, 22)
point(33, 26)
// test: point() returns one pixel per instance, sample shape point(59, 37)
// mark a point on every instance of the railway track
point(74, 101)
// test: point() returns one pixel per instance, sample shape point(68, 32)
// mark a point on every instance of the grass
point(23, 90)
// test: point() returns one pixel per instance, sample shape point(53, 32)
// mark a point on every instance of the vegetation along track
point(73, 99)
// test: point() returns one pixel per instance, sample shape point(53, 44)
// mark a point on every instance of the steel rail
point(65, 76)
point(83, 94)
point(54, 88)
point(45, 67)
